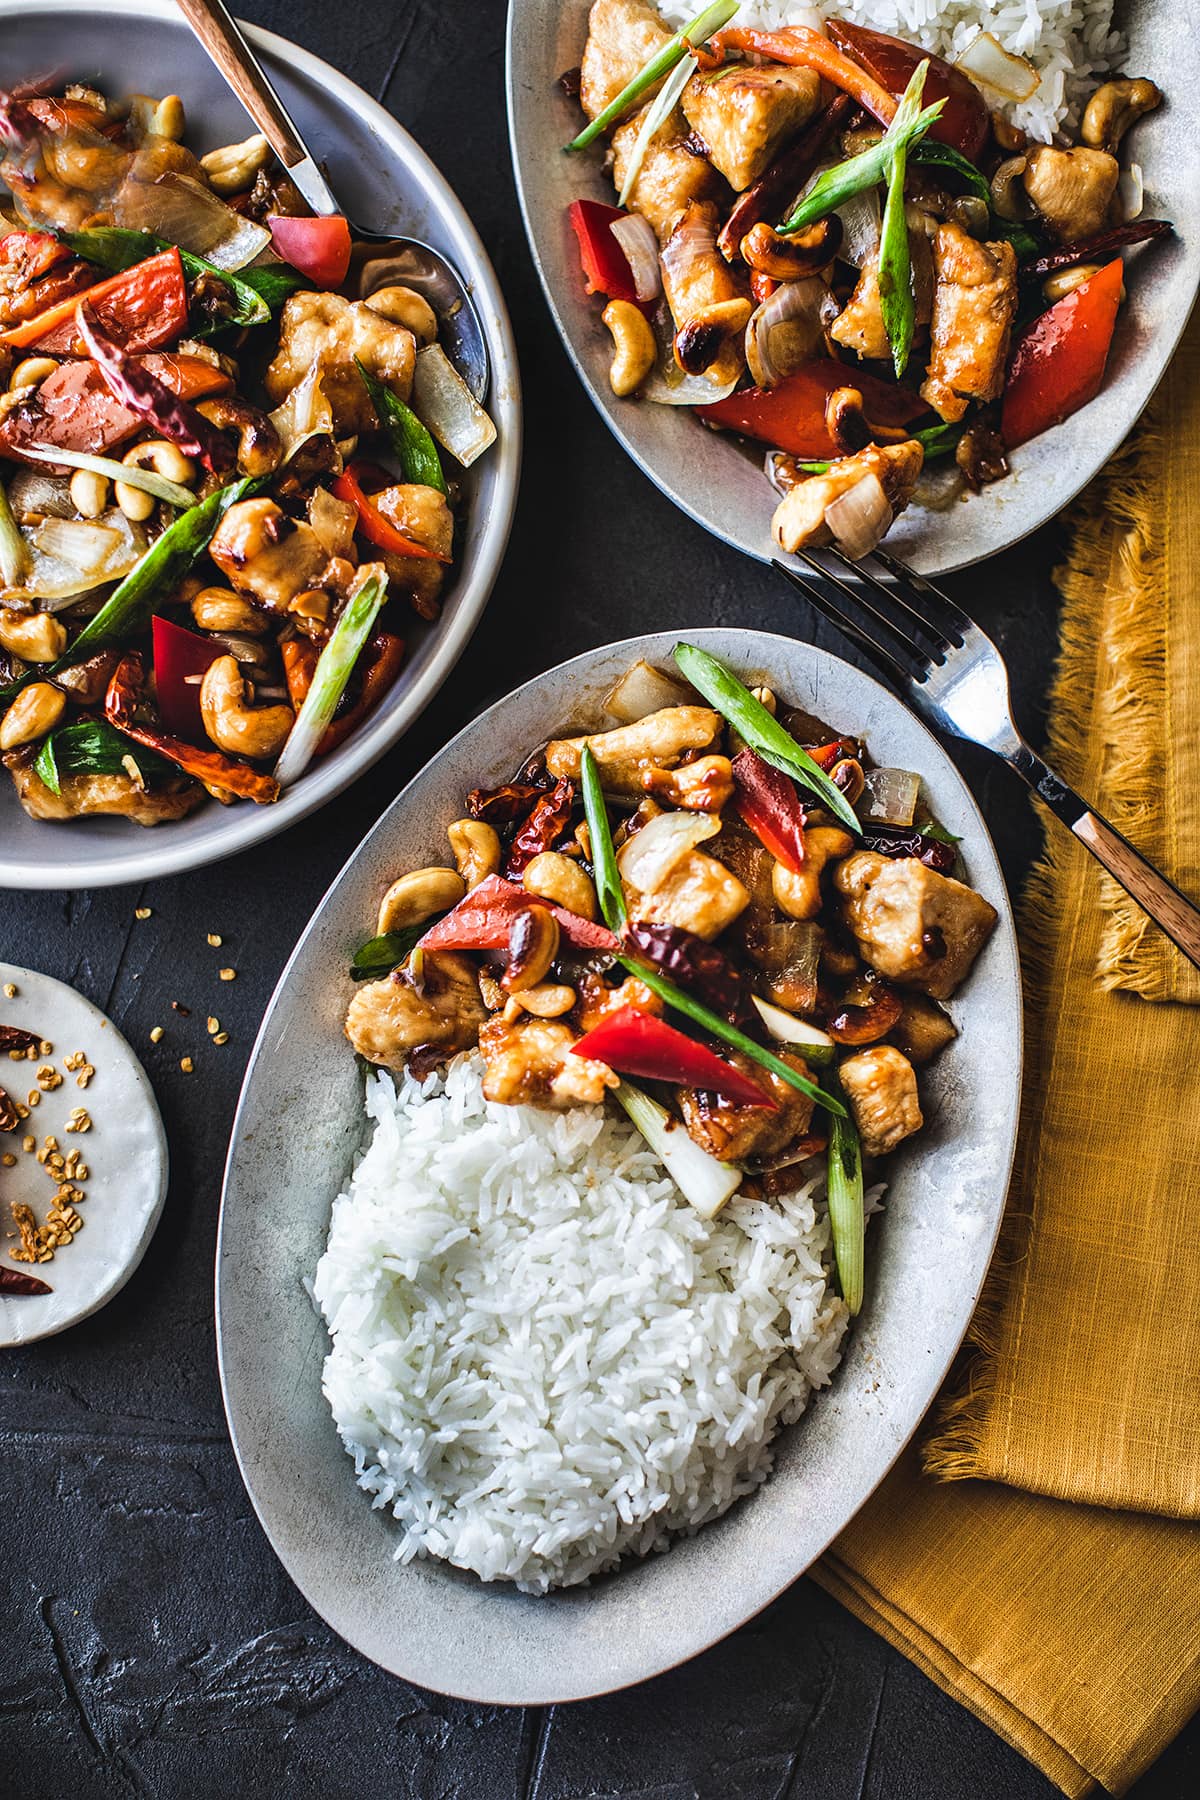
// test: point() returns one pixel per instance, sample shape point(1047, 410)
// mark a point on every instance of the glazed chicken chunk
point(881, 1087)
point(974, 303)
point(917, 927)
point(422, 514)
point(1072, 189)
point(744, 115)
point(699, 894)
point(326, 330)
point(266, 555)
point(738, 1133)
point(622, 37)
point(860, 327)
point(89, 796)
point(390, 1019)
point(800, 516)
point(622, 756)
point(529, 1063)
point(671, 175)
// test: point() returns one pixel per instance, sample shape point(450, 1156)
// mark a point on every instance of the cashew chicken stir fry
point(228, 449)
point(659, 901)
point(834, 244)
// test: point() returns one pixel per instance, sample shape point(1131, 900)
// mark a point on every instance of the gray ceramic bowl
point(299, 1124)
point(721, 485)
point(383, 176)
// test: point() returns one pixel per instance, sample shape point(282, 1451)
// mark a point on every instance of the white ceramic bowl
point(385, 178)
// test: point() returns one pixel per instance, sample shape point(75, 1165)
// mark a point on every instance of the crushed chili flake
point(10, 990)
point(185, 1012)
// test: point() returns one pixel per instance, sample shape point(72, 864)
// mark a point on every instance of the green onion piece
point(661, 63)
point(412, 445)
point(705, 1183)
point(737, 705)
point(255, 293)
point(657, 114)
point(148, 480)
point(896, 303)
point(728, 1034)
point(92, 747)
point(939, 440)
point(931, 829)
point(383, 954)
point(945, 156)
point(14, 551)
point(334, 668)
point(604, 859)
point(1025, 245)
point(833, 187)
point(846, 1216)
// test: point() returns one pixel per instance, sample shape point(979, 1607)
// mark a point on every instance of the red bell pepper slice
point(387, 655)
point(639, 1043)
point(484, 919)
point(178, 656)
point(807, 49)
point(964, 121)
point(791, 416)
point(1058, 363)
point(371, 522)
point(76, 409)
point(140, 308)
point(319, 248)
point(605, 265)
point(770, 806)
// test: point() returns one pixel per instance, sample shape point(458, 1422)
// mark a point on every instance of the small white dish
point(125, 1152)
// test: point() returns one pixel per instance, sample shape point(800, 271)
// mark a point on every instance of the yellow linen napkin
point(1075, 1631)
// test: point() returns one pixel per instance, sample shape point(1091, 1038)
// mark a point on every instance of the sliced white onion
point(657, 114)
point(70, 557)
point(148, 480)
point(786, 1028)
point(860, 517)
point(986, 61)
point(705, 1183)
point(785, 331)
point(1131, 192)
point(635, 234)
point(189, 214)
point(35, 491)
point(667, 385)
point(889, 796)
point(447, 407)
point(306, 413)
point(861, 225)
point(643, 690)
point(649, 856)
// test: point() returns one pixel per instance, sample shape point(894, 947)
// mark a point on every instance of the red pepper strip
point(15, 1281)
point(638, 1043)
point(772, 194)
point(797, 45)
point(179, 654)
point(74, 409)
point(299, 662)
point(371, 522)
point(1058, 363)
point(378, 677)
point(964, 120)
point(825, 755)
point(36, 272)
point(483, 921)
point(792, 416)
point(544, 826)
point(770, 806)
point(125, 692)
point(140, 308)
point(135, 386)
point(606, 267)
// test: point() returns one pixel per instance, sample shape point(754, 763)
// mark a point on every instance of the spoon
point(416, 264)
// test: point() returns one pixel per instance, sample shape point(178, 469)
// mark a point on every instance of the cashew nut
point(165, 459)
point(532, 947)
point(35, 711)
point(799, 896)
point(547, 999)
point(35, 637)
point(404, 306)
point(232, 722)
point(710, 340)
point(634, 349)
point(220, 609)
point(310, 605)
point(555, 877)
point(30, 371)
point(89, 493)
point(259, 451)
point(1009, 199)
point(1114, 107)
point(419, 896)
point(792, 258)
point(1067, 280)
point(476, 847)
point(234, 166)
point(158, 118)
point(766, 697)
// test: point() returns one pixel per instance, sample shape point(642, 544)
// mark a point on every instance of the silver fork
point(952, 673)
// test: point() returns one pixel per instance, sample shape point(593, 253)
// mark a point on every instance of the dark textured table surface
point(151, 1644)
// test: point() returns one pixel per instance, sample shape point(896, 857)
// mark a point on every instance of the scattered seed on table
point(227, 974)
point(222, 1037)
point(9, 1160)
point(141, 912)
point(29, 1143)
point(215, 939)
point(156, 1034)
point(186, 1064)
point(10, 990)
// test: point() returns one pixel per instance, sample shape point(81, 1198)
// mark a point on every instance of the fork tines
point(891, 621)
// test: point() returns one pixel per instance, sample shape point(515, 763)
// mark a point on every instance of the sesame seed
point(222, 1037)
point(29, 1143)
point(9, 1160)
point(214, 1025)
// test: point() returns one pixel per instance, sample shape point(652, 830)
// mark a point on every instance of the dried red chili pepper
point(891, 840)
point(501, 805)
point(698, 966)
point(13, 1038)
point(121, 702)
point(544, 826)
point(10, 1118)
point(15, 1281)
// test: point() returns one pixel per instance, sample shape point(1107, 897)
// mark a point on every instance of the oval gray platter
point(719, 483)
point(298, 1126)
point(383, 176)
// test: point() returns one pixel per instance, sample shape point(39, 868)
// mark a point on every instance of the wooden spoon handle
point(223, 40)
point(1156, 895)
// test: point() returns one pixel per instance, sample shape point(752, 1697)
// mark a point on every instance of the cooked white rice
point(1071, 43)
point(542, 1358)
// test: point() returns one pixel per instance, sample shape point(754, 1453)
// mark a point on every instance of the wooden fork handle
point(225, 43)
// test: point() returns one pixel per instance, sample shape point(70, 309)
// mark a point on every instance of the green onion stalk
point(702, 27)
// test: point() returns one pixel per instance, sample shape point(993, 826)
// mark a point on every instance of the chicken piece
point(423, 514)
point(1072, 189)
point(387, 1021)
point(799, 518)
point(881, 1086)
point(332, 332)
point(737, 1133)
point(974, 304)
point(622, 37)
point(267, 555)
point(89, 796)
point(745, 115)
point(923, 1030)
point(860, 327)
point(529, 1063)
point(622, 756)
point(672, 175)
point(917, 927)
point(595, 1000)
point(708, 302)
point(700, 894)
